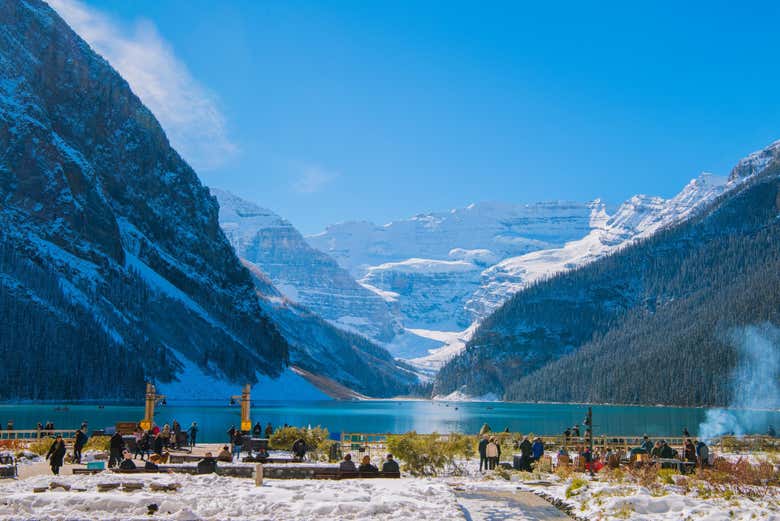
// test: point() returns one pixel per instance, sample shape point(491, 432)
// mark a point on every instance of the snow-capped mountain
point(447, 271)
point(301, 273)
point(639, 217)
point(499, 230)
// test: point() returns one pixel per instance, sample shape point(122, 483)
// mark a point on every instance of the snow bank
point(219, 498)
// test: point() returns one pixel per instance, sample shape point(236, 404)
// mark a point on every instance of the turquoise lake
point(386, 416)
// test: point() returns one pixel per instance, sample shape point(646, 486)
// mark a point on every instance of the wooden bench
point(253, 459)
point(338, 474)
point(85, 470)
point(236, 471)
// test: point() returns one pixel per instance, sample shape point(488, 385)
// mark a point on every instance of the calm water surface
point(381, 417)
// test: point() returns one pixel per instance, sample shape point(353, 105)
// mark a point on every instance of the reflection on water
point(381, 417)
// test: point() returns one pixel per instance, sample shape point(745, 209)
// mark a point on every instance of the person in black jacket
point(347, 465)
point(299, 449)
point(257, 430)
point(193, 433)
point(526, 454)
point(115, 445)
point(157, 444)
point(390, 465)
point(56, 454)
point(208, 465)
point(238, 442)
point(127, 461)
point(366, 466)
point(78, 444)
point(483, 443)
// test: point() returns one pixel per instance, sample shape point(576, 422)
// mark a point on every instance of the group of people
point(57, 451)
point(489, 449)
point(693, 451)
point(389, 465)
point(157, 440)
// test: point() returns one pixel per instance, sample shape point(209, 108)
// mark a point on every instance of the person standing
point(269, 430)
point(482, 448)
point(526, 454)
point(165, 434)
point(176, 427)
point(238, 442)
point(56, 454)
point(537, 449)
point(115, 445)
point(492, 452)
point(702, 454)
point(78, 444)
point(257, 430)
point(193, 433)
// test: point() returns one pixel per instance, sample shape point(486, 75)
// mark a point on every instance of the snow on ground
point(214, 497)
point(608, 501)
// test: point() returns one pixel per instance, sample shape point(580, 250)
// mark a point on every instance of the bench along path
point(496, 505)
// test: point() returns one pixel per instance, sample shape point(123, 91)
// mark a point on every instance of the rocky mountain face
point(114, 268)
point(662, 309)
point(111, 246)
point(301, 273)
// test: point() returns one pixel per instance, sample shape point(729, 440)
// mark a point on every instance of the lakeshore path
point(502, 505)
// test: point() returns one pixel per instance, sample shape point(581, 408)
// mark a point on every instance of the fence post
point(259, 475)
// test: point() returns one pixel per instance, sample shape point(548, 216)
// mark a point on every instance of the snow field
point(213, 497)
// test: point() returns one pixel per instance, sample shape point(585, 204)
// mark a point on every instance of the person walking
point(176, 436)
point(482, 448)
point(56, 454)
point(193, 433)
point(115, 447)
point(78, 444)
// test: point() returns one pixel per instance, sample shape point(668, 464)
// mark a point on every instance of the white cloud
point(188, 112)
point(313, 178)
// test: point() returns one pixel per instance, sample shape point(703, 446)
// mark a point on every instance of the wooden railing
point(34, 434)
point(375, 444)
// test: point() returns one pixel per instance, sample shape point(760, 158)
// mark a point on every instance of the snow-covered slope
point(301, 273)
point(114, 267)
point(638, 217)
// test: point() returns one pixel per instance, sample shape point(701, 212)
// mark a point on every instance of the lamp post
point(151, 400)
point(246, 422)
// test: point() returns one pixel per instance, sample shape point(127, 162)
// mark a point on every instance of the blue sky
point(331, 111)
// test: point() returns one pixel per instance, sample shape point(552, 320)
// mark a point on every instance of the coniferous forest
point(649, 324)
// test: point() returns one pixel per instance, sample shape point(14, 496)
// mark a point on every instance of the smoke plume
point(754, 383)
